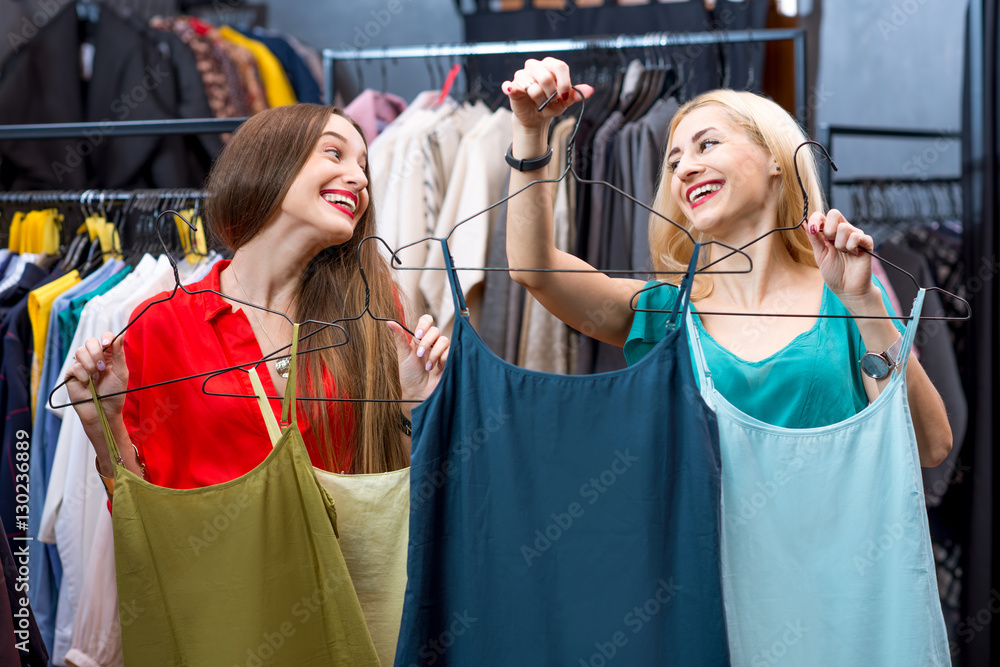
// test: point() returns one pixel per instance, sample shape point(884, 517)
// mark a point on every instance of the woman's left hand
point(421, 359)
point(839, 248)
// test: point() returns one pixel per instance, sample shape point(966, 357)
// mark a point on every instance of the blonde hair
point(773, 129)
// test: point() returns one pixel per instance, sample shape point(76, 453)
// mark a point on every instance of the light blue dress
point(826, 552)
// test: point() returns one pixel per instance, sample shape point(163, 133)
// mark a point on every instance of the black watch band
point(527, 165)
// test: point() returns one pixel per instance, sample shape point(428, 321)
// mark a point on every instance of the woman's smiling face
point(330, 192)
point(718, 173)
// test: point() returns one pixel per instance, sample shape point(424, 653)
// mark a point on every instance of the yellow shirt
point(276, 85)
point(39, 307)
point(16, 225)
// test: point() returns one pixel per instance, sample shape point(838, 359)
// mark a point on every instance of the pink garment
point(374, 110)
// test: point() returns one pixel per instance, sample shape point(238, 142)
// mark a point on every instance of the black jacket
point(138, 74)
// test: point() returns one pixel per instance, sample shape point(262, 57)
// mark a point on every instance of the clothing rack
point(123, 128)
point(827, 133)
point(98, 197)
point(659, 39)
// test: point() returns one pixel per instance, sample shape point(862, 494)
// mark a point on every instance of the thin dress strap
point(456, 289)
point(273, 430)
point(288, 405)
point(108, 435)
point(911, 330)
point(684, 295)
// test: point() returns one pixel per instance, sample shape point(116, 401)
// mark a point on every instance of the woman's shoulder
point(649, 327)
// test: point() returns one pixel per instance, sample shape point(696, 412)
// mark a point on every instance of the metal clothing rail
point(662, 39)
point(827, 133)
point(123, 128)
point(96, 197)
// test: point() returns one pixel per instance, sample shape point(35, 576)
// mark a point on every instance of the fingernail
point(507, 89)
point(100, 365)
point(420, 352)
point(389, 324)
point(105, 341)
point(419, 334)
point(428, 367)
point(95, 376)
point(812, 229)
point(565, 96)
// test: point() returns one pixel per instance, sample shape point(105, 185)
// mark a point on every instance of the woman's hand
point(110, 374)
point(839, 248)
point(534, 83)
point(421, 359)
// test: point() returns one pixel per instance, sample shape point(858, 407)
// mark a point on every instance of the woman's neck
point(774, 270)
point(268, 272)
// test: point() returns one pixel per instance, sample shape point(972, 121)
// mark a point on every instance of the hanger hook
point(798, 176)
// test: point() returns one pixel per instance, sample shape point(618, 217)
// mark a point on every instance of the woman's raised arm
point(593, 303)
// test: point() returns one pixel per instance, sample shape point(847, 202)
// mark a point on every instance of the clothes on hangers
point(74, 497)
point(207, 587)
point(276, 85)
point(482, 178)
point(138, 74)
point(304, 86)
point(543, 532)
point(96, 640)
point(45, 566)
point(546, 343)
point(189, 334)
point(825, 533)
point(373, 111)
point(792, 388)
point(20, 642)
point(373, 523)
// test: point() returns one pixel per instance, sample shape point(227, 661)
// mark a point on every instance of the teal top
point(815, 380)
point(69, 319)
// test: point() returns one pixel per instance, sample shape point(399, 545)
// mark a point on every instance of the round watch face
point(874, 365)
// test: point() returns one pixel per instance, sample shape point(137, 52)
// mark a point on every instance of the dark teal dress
point(563, 520)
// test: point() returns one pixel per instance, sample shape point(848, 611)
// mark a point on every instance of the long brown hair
point(248, 181)
point(773, 129)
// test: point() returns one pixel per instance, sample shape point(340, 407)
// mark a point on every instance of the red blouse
point(188, 438)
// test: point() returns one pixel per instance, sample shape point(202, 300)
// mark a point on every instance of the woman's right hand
point(110, 374)
point(534, 83)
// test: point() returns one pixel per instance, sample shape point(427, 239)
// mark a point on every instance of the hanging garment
point(543, 532)
point(97, 632)
point(20, 641)
point(373, 520)
point(826, 553)
point(237, 573)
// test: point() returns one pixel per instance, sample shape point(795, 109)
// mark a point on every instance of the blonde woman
point(728, 175)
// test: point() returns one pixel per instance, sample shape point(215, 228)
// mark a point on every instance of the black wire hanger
point(336, 323)
point(216, 372)
point(570, 169)
point(805, 215)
